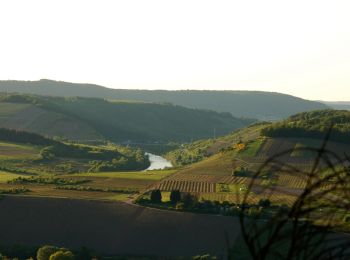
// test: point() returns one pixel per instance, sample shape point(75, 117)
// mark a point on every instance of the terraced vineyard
point(198, 183)
point(292, 181)
point(187, 186)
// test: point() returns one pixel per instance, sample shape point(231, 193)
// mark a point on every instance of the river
point(158, 162)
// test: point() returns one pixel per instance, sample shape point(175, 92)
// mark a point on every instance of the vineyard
point(276, 198)
point(291, 181)
point(272, 147)
point(279, 186)
point(187, 186)
point(219, 178)
point(199, 183)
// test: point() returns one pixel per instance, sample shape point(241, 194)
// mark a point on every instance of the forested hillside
point(72, 157)
point(314, 125)
point(98, 119)
point(251, 104)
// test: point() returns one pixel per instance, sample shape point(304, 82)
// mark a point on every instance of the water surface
point(158, 162)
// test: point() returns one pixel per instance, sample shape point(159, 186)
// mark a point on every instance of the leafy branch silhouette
point(312, 227)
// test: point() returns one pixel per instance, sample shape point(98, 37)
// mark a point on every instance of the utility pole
point(214, 133)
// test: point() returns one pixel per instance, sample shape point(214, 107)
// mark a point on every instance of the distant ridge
point(251, 104)
point(89, 119)
point(342, 105)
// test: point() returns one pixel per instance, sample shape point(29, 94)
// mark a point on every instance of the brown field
point(49, 190)
point(113, 228)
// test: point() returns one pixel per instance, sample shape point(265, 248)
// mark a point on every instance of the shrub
point(188, 200)
point(254, 212)
point(156, 196)
point(347, 219)
point(265, 203)
point(62, 255)
point(175, 196)
point(45, 252)
point(204, 257)
point(83, 254)
point(180, 206)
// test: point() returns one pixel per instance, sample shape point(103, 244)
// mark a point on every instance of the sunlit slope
point(31, 118)
point(225, 174)
point(288, 139)
point(197, 151)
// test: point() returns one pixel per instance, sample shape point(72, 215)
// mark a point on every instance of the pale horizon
point(298, 48)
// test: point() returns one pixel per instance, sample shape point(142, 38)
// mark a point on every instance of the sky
point(295, 47)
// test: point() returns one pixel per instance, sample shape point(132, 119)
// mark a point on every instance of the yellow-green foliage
point(6, 176)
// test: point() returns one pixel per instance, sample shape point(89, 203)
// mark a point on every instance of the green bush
point(156, 196)
point(204, 257)
point(62, 255)
point(180, 206)
point(175, 196)
point(347, 219)
point(265, 203)
point(188, 200)
point(45, 252)
point(254, 212)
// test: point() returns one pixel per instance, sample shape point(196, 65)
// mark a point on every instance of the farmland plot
point(187, 186)
point(17, 151)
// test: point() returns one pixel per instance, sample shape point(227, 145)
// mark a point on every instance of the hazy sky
point(296, 47)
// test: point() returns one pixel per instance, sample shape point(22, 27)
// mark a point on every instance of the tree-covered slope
point(313, 125)
point(56, 156)
point(96, 119)
point(251, 104)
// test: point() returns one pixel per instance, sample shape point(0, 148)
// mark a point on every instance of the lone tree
point(175, 196)
point(156, 196)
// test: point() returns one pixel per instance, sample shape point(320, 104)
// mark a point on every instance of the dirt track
point(111, 227)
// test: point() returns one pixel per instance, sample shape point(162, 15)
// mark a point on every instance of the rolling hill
point(87, 119)
point(275, 163)
point(263, 140)
point(251, 104)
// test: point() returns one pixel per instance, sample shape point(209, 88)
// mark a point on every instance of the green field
point(7, 176)
point(253, 147)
